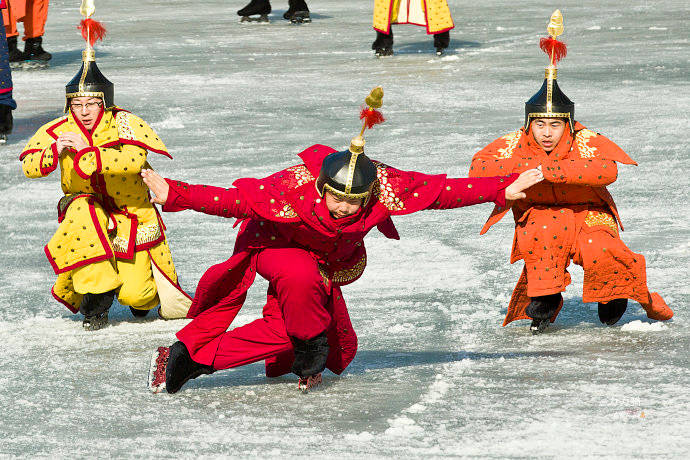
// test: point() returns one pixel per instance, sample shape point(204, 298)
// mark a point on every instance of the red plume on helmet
point(91, 30)
point(555, 49)
point(371, 116)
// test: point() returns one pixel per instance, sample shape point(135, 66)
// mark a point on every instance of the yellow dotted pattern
point(64, 290)
point(437, 14)
point(162, 256)
point(76, 239)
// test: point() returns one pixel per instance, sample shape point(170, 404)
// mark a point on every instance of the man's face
point(547, 132)
point(86, 109)
point(341, 207)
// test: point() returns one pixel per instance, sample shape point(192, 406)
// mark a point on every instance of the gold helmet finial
point(555, 26)
point(87, 8)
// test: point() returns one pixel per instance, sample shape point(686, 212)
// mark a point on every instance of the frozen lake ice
point(436, 375)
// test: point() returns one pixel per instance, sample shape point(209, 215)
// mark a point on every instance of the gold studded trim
point(387, 196)
point(145, 234)
point(595, 218)
point(582, 140)
point(512, 140)
point(347, 196)
point(351, 172)
point(124, 128)
point(287, 212)
point(301, 174)
point(349, 274)
point(549, 115)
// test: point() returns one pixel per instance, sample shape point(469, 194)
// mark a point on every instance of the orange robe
point(569, 216)
point(33, 13)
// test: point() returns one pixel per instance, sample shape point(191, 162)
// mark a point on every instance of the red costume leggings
point(33, 13)
point(295, 307)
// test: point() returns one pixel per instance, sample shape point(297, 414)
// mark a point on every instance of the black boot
point(16, 57)
point(298, 11)
point(541, 309)
point(261, 8)
point(611, 311)
point(138, 313)
point(95, 308)
point(441, 42)
point(181, 367)
point(310, 355)
point(33, 51)
point(383, 45)
point(5, 122)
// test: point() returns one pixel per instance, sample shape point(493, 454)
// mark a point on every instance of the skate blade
point(35, 65)
point(153, 366)
point(310, 383)
point(263, 19)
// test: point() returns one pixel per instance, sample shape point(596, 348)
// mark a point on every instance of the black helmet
point(550, 101)
point(347, 174)
point(90, 82)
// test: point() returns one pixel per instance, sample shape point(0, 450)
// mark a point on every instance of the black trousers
point(441, 40)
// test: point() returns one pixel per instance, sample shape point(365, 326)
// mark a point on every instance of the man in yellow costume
point(110, 239)
point(432, 14)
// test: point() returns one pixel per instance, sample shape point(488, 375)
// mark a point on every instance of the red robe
point(285, 210)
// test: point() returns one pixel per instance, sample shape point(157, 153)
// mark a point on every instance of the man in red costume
point(570, 215)
point(302, 229)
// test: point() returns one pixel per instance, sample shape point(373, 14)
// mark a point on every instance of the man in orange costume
point(570, 215)
point(33, 13)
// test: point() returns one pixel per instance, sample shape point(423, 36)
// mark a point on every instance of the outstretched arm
point(178, 196)
point(469, 191)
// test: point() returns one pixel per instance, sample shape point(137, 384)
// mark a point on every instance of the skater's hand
point(157, 185)
point(70, 140)
point(524, 181)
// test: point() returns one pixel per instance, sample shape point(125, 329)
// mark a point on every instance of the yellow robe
point(434, 14)
point(109, 235)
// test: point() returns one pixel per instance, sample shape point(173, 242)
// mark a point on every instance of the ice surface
point(436, 375)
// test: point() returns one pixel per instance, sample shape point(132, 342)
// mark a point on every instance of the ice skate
point(383, 52)
point(6, 122)
point(180, 368)
point(159, 362)
point(440, 51)
point(256, 11)
point(538, 326)
point(308, 383)
point(95, 308)
point(16, 57)
point(35, 57)
point(298, 12)
point(612, 311)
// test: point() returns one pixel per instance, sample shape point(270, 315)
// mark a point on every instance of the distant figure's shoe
point(6, 122)
point(440, 51)
point(255, 11)
point(34, 54)
point(610, 312)
point(298, 12)
point(16, 57)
